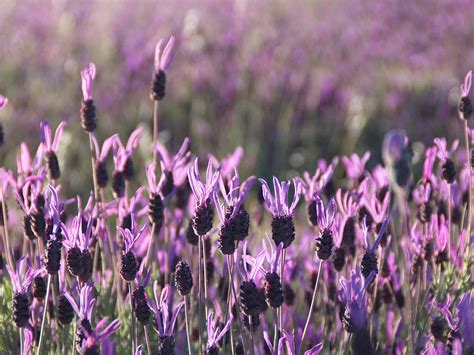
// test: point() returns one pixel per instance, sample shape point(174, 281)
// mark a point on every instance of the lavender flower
point(214, 334)
point(51, 146)
point(129, 264)
point(273, 287)
point(173, 167)
point(139, 299)
point(326, 217)
point(125, 154)
point(369, 260)
point(21, 279)
point(204, 194)
point(165, 318)
point(88, 114)
point(465, 105)
point(354, 166)
point(162, 62)
point(228, 164)
point(94, 337)
point(232, 215)
point(448, 168)
point(3, 103)
point(283, 227)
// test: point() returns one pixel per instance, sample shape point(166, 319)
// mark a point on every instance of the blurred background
point(290, 81)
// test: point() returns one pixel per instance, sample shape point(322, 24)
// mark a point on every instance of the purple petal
point(3, 102)
point(168, 53)
point(57, 136)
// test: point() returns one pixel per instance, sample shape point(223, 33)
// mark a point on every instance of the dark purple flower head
point(203, 191)
point(165, 318)
point(229, 163)
point(86, 302)
point(130, 236)
point(101, 154)
point(365, 230)
point(466, 86)
point(163, 60)
point(24, 274)
point(326, 216)
point(95, 337)
point(87, 76)
point(235, 197)
point(278, 205)
point(214, 334)
point(3, 102)
point(49, 143)
point(313, 185)
point(355, 165)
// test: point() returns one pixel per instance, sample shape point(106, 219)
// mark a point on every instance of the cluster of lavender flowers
point(382, 264)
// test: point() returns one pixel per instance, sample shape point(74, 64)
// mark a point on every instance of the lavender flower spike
point(3, 102)
point(369, 262)
point(214, 334)
point(86, 302)
point(326, 218)
point(466, 86)
point(50, 146)
point(283, 227)
point(204, 192)
point(88, 117)
point(95, 337)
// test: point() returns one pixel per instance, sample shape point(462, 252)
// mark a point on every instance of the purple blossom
point(229, 163)
point(3, 102)
point(49, 144)
point(23, 276)
point(101, 154)
point(163, 60)
point(365, 230)
point(355, 165)
point(326, 216)
point(130, 236)
point(278, 204)
point(348, 203)
point(443, 153)
point(86, 302)
point(87, 76)
point(203, 191)
point(466, 86)
point(165, 318)
point(430, 156)
point(272, 255)
point(100, 333)
point(313, 185)
point(256, 262)
point(74, 236)
point(214, 334)
point(235, 197)
point(125, 152)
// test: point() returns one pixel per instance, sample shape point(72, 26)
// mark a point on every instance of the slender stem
point(228, 308)
point(73, 351)
point(167, 262)
point(449, 221)
point(150, 245)
point(204, 273)
point(21, 341)
point(469, 202)
point(275, 334)
point(5, 230)
point(200, 295)
point(310, 307)
point(155, 129)
point(38, 351)
point(186, 316)
point(147, 340)
point(237, 303)
point(282, 269)
point(132, 314)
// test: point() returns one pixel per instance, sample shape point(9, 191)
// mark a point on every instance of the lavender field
point(241, 177)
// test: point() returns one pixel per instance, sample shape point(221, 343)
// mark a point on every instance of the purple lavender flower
point(94, 337)
point(326, 218)
point(162, 62)
point(465, 105)
point(88, 117)
point(354, 166)
point(283, 227)
point(173, 167)
point(50, 147)
point(100, 158)
point(448, 168)
point(165, 318)
point(3, 104)
point(214, 334)
point(204, 194)
point(140, 304)
point(234, 218)
point(125, 154)
point(21, 279)
point(369, 263)
point(129, 264)
point(228, 164)
point(273, 287)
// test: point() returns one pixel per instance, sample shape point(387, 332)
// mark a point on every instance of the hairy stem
point(38, 351)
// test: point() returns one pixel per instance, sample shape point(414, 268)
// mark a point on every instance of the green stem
point(38, 351)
